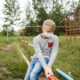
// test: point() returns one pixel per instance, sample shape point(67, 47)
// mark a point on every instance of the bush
point(59, 31)
point(33, 31)
point(10, 33)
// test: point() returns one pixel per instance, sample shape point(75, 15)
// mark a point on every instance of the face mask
point(48, 34)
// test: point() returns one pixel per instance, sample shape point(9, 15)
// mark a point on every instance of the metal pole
point(79, 20)
point(67, 77)
point(66, 24)
point(74, 27)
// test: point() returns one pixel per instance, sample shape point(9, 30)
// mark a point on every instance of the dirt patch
point(15, 79)
point(5, 70)
point(7, 48)
point(0, 75)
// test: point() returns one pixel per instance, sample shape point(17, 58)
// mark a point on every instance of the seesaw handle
point(52, 77)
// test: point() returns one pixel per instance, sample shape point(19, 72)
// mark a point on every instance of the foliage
point(11, 14)
point(44, 11)
point(33, 31)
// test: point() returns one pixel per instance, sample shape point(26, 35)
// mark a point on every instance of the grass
point(68, 58)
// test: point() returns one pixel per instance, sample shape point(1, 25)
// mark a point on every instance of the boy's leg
point(37, 70)
point(30, 68)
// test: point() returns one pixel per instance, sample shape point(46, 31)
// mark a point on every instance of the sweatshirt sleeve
point(39, 52)
point(54, 51)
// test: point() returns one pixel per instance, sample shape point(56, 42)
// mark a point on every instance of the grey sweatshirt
point(45, 48)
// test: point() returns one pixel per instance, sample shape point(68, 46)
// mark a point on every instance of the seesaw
point(51, 77)
point(64, 75)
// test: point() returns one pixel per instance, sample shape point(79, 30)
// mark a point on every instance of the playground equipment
point(51, 77)
point(72, 26)
point(20, 51)
point(79, 18)
point(67, 77)
point(22, 33)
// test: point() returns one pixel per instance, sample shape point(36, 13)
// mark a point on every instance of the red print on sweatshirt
point(50, 44)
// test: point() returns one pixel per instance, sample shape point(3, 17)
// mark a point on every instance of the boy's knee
point(33, 76)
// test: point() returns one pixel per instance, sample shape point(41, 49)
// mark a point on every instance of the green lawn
point(13, 67)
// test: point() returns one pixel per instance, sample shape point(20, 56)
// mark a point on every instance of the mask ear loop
point(48, 34)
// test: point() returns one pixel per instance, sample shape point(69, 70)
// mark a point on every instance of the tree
point(29, 14)
point(78, 6)
point(56, 13)
point(11, 14)
point(39, 7)
point(48, 9)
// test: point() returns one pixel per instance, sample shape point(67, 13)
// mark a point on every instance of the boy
point(46, 48)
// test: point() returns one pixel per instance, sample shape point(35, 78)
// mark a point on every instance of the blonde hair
point(49, 23)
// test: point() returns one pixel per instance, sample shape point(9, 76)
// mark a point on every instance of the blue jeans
point(34, 69)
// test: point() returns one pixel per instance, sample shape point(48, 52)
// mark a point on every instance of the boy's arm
point(54, 51)
point(39, 52)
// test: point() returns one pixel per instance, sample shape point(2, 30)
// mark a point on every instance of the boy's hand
point(48, 71)
point(31, 57)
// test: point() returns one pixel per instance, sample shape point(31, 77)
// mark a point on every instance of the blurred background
point(23, 20)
